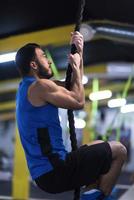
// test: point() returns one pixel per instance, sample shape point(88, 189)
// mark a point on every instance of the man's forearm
point(77, 86)
point(81, 68)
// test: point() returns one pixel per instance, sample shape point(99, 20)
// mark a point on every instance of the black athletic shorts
point(81, 167)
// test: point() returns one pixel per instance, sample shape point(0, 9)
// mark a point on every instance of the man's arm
point(50, 92)
point(77, 39)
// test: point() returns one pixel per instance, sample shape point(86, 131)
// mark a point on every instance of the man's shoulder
point(42, 84)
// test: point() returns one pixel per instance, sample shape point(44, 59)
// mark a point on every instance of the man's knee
point(118, 150)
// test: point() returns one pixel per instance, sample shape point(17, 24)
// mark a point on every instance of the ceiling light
point(7, 57)
point(84, 80)
point(127, 108)
point(105, 94)
point(87, 31)
point(115, 31)
point(120, 68)
point(79, 123)
point(113, 103)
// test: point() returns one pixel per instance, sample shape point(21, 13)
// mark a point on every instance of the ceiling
point(21, 18)
point(28, 15)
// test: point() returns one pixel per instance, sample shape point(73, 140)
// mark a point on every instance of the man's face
point(44, 65)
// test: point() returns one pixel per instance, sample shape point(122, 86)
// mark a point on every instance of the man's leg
point(107, 181)
point(119, 155)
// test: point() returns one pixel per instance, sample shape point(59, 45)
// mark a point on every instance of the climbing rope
point(68, 84)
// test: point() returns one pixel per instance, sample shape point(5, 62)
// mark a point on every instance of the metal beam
point(59, 35)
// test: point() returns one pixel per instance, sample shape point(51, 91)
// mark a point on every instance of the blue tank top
point(29, 119)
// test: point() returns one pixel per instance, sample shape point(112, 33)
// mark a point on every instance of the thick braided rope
point(68, 84)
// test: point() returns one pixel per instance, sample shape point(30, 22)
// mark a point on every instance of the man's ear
point(33, 65)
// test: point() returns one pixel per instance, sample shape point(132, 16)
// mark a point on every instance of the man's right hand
point(74, 60)
point(77, 39)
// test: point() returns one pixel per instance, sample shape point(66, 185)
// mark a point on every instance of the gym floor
point(123, 184)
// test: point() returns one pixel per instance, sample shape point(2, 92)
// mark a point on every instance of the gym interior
point(108, 114)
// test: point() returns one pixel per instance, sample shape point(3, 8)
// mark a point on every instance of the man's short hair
point(24, 56)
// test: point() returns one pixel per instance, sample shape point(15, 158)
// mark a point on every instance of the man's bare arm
point(49, 91)
point(60, 96)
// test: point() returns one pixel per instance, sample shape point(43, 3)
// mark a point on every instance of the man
point(51, 166)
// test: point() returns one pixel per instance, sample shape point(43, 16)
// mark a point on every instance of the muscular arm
point(60, 96)
point(48, 91)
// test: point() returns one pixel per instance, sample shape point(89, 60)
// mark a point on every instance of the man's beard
point(44, 74)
